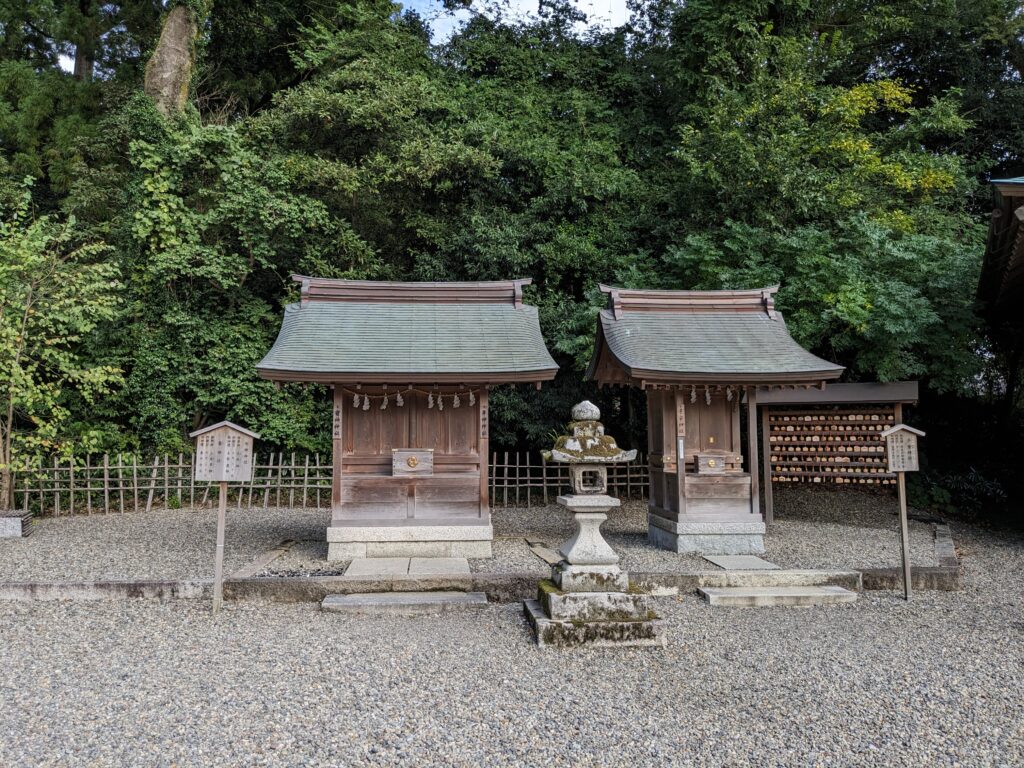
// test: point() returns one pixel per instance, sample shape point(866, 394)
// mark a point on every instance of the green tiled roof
point(744, 345)
point(478, 340)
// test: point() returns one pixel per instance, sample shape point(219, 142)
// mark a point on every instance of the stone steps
point(568, 634)
point(850, 580)
point(403, 603)
point(749, 597)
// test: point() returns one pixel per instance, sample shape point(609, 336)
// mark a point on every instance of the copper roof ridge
point(621, 300)
point(395, 291)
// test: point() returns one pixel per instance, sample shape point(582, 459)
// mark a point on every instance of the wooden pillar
point(653, 474)
point(679, 430)
point(755, 490)
point(766, 449)
point(337, 447)
point(483, 418)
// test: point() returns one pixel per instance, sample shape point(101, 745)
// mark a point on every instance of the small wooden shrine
point(410, 365)
point(698, 354)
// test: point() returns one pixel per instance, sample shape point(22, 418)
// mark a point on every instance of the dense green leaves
point(828, 147)
point(55, 290)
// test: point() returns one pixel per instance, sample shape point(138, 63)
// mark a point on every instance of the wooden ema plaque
point(224, 454)
point(830, 445)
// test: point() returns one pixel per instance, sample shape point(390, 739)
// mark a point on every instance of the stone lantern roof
point(588, 444)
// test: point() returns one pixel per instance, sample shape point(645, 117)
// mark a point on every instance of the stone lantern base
point(587, 600)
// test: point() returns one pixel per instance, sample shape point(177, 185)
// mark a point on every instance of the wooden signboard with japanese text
point(901, 451)
point(224, 454)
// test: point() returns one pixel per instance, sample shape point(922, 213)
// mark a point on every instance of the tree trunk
point(85, 60)
point(6, 489)
point(170, 68)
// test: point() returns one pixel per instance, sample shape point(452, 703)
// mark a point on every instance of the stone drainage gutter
point(502, 588)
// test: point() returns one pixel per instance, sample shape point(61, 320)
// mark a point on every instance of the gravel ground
point(163, 544)
point(813, 529)
point(822, 528)
point(875, 683)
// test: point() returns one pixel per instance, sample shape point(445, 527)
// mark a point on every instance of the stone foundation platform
point(568, 634)
point(600, 614)
point(726, 537)
point(345, 542)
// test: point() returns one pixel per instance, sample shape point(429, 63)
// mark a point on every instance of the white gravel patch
point(161, 544)
point(875, 683)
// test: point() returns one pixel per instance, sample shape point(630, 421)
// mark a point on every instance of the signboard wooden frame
point(223, 455)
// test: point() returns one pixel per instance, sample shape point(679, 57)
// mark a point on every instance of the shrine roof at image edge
point(729, 336)
point(348, 330)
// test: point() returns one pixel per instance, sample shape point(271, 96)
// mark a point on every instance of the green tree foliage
point(55, 290)
point(830, 147)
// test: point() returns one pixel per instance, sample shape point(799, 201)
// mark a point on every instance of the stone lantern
point(587, 598)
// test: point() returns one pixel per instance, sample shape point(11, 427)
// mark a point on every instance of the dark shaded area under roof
point(1001, 285)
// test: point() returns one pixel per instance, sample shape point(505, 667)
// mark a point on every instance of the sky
point(605, 13)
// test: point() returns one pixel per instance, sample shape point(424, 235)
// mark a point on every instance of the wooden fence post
point(135, 481)
point(88, 484)
point(305, 482)
point(152, 483)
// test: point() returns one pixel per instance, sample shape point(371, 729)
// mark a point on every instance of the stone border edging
point(105, 590)
point(501, 588)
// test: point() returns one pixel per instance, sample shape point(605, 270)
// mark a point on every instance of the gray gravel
point(821, 528)
point(305, 558)
point(511, 556)
point(813, 529)
point(875, 683)
point(162, 544)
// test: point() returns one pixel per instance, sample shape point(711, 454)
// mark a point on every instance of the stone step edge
point(504, 587)
point(776, 596)
point(567, 634)
point(391, 603)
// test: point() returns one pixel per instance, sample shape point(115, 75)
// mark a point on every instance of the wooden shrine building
point(698, 354)
point(410, 365)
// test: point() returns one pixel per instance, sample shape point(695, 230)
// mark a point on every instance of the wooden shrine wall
point(830, 444)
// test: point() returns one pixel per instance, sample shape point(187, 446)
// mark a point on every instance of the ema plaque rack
point(839, 445)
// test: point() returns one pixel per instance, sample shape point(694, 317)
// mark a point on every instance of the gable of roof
point(229, 425)
point(383, 332)
point(735, 337)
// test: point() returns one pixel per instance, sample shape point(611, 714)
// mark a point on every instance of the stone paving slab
point(741, 562)
point(403, 603)
point(363, 567)
point(411, 567)
point(438, 566)
point(756, 597)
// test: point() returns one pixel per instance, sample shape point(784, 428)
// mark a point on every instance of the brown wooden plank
point(752, 460)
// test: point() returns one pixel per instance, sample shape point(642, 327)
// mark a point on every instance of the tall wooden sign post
point(223, 455)
point(901, 453)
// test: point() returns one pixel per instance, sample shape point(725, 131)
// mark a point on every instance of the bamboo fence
point(116, 484)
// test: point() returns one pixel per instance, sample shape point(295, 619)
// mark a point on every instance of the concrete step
point(403, 603)
point(781, 578)
point(771, 596)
